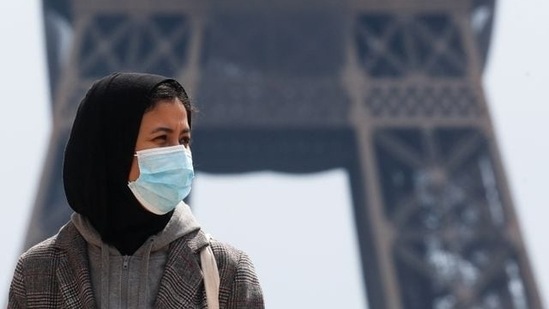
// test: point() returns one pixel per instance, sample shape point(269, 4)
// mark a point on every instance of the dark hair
point(169, 90)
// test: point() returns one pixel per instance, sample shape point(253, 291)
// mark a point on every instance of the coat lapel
point(182, 278)
point(73, 272)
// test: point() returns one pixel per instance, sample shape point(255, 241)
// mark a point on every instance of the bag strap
point(211, 275)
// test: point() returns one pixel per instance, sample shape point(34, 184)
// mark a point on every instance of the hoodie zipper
point(124, 280)
point(126, 262)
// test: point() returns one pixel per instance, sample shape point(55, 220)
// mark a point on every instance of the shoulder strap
point(211, 275)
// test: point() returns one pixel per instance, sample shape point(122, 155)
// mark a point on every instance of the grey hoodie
point(132, 281)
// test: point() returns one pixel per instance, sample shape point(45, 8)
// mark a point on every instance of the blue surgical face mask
point(165, 178)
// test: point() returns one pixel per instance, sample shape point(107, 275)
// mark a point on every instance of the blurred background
point(306, 209)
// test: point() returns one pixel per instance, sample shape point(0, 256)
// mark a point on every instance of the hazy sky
point(516, 83)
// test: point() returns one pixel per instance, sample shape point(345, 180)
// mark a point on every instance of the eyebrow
point(168, 130)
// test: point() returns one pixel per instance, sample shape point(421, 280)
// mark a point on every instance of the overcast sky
point(516, 83)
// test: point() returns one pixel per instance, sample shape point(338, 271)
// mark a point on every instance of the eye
point(185, 141)
point(160, 139)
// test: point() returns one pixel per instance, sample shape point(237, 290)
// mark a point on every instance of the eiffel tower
point(391, 91)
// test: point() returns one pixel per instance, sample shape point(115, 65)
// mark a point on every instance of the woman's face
point(164, 125)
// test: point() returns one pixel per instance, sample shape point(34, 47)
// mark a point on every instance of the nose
point(173, 141)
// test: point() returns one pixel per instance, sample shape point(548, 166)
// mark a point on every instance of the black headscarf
point(98, 158)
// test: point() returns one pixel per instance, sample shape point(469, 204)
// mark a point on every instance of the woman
point(132, 242)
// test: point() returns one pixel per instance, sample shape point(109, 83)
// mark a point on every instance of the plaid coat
point(55, 274)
